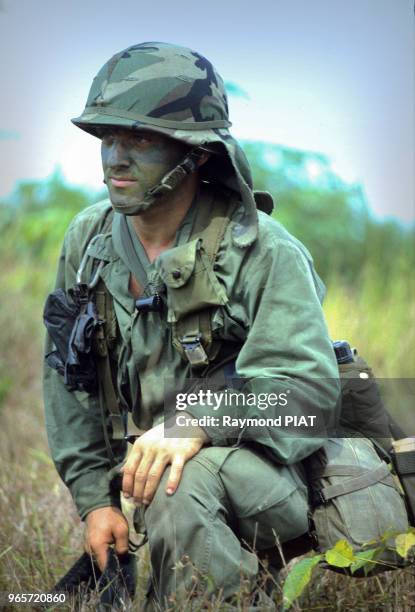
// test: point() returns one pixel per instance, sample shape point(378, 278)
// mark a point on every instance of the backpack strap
point(361, 479)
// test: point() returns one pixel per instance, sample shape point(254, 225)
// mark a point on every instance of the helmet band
point(156, 121)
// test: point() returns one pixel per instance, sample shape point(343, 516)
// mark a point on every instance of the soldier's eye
point(107, 139)
point(142, 139)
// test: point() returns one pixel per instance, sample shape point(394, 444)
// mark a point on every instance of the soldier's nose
point(116, 156)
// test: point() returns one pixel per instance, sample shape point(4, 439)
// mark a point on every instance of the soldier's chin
point(130, 208)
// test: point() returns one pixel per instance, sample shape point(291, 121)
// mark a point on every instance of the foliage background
point(367, 266)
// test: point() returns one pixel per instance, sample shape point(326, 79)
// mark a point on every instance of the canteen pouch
point(353, 496)
point(71, 320)
point(363, 412)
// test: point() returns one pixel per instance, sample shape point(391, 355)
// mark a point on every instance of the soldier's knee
point(196, 498)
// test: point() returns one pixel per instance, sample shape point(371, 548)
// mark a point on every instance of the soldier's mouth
point(122, 182)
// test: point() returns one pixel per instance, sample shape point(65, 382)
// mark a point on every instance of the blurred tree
point(34, 218)
point(330, 217)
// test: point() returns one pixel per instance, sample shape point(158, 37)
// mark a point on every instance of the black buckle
point(317, 498)
point(154, 303)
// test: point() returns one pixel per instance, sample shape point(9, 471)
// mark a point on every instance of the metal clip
point(131, 438)
point(194, 350)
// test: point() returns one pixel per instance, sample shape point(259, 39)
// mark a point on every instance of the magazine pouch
point(353, 496)
point(71, 319)
point(363, 411)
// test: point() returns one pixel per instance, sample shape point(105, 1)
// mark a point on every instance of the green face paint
point(133, 163)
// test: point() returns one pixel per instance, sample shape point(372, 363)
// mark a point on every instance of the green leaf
point(387, 535)
point(404, 542)
point(297, 579)
point(364, 558)
point(341, 555)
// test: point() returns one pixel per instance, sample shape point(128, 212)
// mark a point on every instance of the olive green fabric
point(226, 496)
point(273, 309)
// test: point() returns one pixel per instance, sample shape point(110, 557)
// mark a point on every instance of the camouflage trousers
point(231, 503)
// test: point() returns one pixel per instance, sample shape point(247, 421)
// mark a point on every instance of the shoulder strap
point(105, 339)
point(192, 334)
point(122, 424)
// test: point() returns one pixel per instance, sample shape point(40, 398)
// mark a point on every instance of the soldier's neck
point(157, 226)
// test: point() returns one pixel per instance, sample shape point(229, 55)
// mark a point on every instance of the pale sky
point(328, 76)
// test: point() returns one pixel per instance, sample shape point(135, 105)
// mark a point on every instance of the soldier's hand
point(150, 456)
point(106, 526)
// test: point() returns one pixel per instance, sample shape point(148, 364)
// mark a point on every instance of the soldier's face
point(134, 162)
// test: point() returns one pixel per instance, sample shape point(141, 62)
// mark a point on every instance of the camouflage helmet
point(177, 92)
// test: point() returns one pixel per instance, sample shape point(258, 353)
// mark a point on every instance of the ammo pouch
point(353, 496)
point(363, 412)
point(71, 319)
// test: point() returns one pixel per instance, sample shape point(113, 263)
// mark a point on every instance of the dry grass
point(41, 535)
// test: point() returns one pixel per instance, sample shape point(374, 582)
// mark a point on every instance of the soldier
point(198, 279)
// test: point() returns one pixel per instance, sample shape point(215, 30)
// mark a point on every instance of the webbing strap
point(107, 396)
point(111, 402)
point(337, 470)
point(121, 422)
point(102, 405)
point(366, 479)
point(212, 218)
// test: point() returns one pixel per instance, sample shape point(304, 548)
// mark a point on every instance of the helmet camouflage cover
point(177, 92)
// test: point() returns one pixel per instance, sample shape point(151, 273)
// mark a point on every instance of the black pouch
point(363, 412)
point(71, 319)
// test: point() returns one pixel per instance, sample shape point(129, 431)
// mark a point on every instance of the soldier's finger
point(129, 471)
point(175, 474)
point(121, 539)
point(100, 553)
point(140, 477)
point(153, 479)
